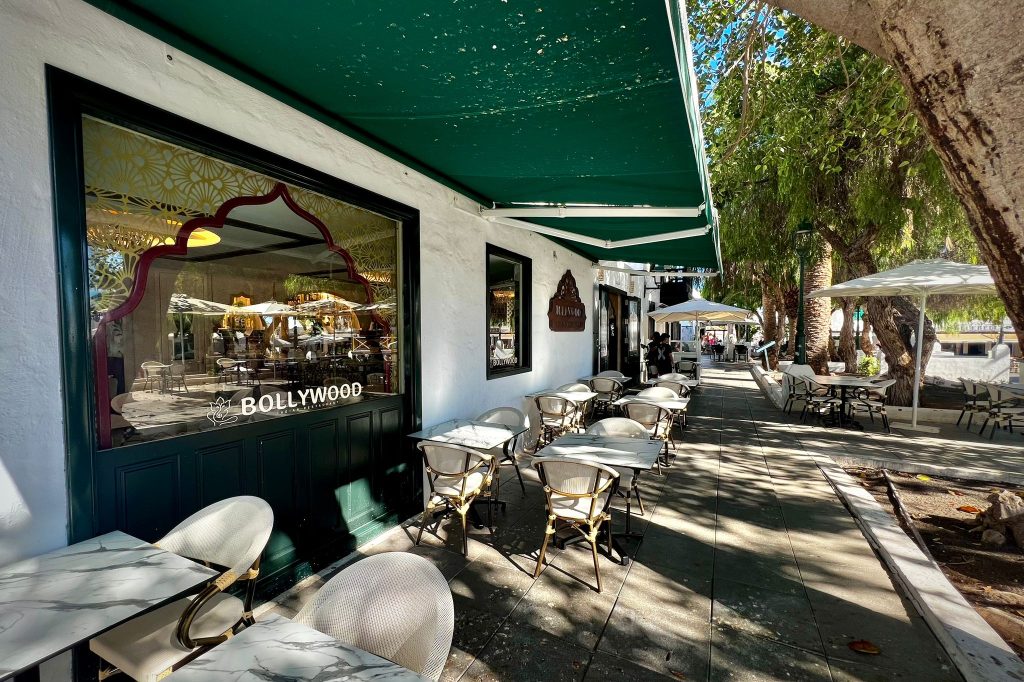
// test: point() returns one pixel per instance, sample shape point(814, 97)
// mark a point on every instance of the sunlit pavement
point(750, 568)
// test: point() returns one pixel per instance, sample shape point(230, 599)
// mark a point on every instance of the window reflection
point(506, 298)
point(213, 306)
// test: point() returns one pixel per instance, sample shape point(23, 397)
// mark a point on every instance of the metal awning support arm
point(594, 212)
point(594, 241)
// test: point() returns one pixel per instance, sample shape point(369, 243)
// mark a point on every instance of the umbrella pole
point(913, 425)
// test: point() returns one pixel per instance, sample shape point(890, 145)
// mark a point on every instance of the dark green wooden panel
point(219, 472)
point(324, 475)
point(356, 493)
point(147, 494)
point(275, 469)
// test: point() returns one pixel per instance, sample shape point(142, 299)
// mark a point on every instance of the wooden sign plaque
point(566, 312)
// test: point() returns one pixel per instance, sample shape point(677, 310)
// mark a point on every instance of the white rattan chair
point(509, 416)
point(1004, 407)
point(656, 419)
point(872, 401)
point(608, 390)
point(456, 475)
point(614, 373)
point(578, 494)
point(229, 535)
point(976, 401)
point(680, 390)
point(558, 415)
point(395, 605)
point(574, 387)
point(154, 372)
point(621, 427)
point(176, 377)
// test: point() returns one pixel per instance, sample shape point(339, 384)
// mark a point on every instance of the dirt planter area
point(944, 512)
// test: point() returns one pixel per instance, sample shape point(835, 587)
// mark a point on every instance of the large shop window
point(508, 312)
point(219, 296)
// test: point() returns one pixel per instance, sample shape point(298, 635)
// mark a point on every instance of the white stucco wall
point(82, 40)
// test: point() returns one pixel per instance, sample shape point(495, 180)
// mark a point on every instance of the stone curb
point(974, 647)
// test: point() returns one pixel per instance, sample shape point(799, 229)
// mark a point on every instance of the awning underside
point(507, 102)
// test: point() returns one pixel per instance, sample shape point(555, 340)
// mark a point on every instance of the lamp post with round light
point(802, 242)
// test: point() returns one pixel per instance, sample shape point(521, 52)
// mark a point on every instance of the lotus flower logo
point(220, 412)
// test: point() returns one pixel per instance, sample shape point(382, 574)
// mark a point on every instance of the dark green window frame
point(523, 317)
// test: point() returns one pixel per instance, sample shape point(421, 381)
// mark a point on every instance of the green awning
point(510, 102)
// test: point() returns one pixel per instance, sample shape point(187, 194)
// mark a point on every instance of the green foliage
point(869, 366)
point(804, 126)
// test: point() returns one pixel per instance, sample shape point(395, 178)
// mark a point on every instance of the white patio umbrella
point(700, 310)
point(183, 304)
point(919, 279)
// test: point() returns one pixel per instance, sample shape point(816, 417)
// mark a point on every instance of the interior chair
point(608, 390)
point(818, 399)
point(153, 372)
point(509, 416)
point(358, 606)
point(457, 476)
point(872, 401)
point(225, 366)
point(976, 400)
point(558, 415)
point(176, 377)
point(229, 536)
point(621, 427)
point(656, 420)
point(578, 495)
point(1004, 407)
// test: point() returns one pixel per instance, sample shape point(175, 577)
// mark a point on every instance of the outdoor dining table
point(52, 602)
point(677, 406)
point(276, 648)
point(843, 383)
point(622, 380)
point(638, 454)
point(478, 435)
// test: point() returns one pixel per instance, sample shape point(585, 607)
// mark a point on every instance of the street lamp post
point(857, 319)
point(802, 243)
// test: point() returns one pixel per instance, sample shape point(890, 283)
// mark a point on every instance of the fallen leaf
point(863, 646)
point(956, 492)
point(968, 509)
point(922, 477)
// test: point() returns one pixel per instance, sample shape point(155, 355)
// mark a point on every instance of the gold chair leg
point(465, 533)
point(549, 530)
point(597, 565)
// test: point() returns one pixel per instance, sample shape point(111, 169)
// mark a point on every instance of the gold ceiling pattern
point(140, 190)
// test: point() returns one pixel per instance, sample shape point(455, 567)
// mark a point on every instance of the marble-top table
point(470, 433)
point(276, 648)
point(575, 396)
point(670, 404)
point(689, 383)
point(54, 601)
point(622, 380)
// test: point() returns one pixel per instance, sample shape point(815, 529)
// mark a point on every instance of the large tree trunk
point(962, 63)
point(818, 311)
point(847, 347)
point(866, 344)
point(770, 358)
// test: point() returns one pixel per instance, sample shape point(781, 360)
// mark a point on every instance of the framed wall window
point(219, 295)
point(508, 312)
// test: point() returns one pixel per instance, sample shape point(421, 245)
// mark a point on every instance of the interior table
point(843, 383)
point(479, 435)
point(638, 454)
point(276, 648)
point(52, 602)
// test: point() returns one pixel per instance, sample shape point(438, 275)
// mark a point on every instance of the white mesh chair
point(673, 376)
point(611, 373)
point(976, 400)
point(660, 392)
point(395, 605)
point(656, 419)
point(872, 401)
point(509, 416)
point(608, 390)
point(621, 427)
point(229, 535)
point(558, 415)
point(1004, 407)
point(176, 377)
point(456, 475)
point(578, 494)
point(575, 387)
point(154, 372)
